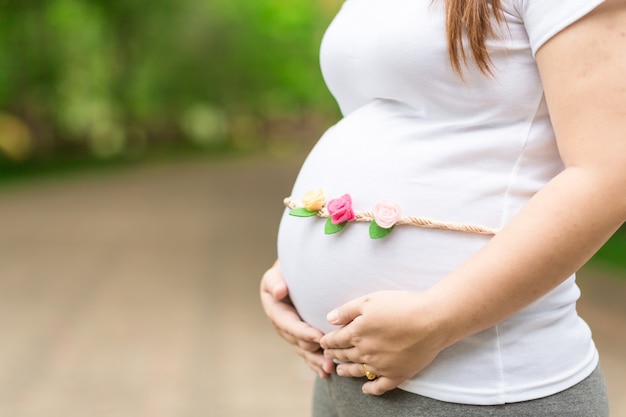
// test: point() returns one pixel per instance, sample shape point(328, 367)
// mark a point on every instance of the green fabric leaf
point(331, 228)
point(377, 232)
point(302, 212)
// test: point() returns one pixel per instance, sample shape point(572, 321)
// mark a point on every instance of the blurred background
point(117, 79)
point(145, 148)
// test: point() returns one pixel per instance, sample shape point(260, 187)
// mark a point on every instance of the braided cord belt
point(335, 222)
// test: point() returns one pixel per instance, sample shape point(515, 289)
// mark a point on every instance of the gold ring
point(370, 376)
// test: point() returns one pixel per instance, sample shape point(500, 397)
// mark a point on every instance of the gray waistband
point(342, 397)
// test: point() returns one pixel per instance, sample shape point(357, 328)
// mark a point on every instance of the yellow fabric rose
point(314, 200)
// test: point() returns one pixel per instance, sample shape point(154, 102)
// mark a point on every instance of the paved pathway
point(134, 293)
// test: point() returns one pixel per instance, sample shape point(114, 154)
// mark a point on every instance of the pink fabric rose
point(340, 209)
point(386, 214)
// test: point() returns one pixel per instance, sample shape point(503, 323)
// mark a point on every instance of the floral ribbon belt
point(385, 216)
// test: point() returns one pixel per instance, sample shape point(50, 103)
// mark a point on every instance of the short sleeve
point(545, 18)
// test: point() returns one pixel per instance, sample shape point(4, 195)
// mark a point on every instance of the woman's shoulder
point(544, 19)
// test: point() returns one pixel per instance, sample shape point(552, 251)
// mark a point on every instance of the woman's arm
point(282, 314)
point(583, 72)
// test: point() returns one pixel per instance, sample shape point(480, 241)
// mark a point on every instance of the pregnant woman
point(428, 251)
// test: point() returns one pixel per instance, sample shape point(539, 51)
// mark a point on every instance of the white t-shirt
point(472, 151)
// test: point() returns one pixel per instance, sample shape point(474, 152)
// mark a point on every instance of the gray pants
point(342, 397)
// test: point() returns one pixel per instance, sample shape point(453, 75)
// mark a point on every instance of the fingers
point(289, 325)
point(287, 322)
point(333, 341)
point(351, 369)
point(347, 312)
point(282, 314)
point(317, 362)
point(379, 386)
point(273, 282)
point(298, 333)
point(343, 338)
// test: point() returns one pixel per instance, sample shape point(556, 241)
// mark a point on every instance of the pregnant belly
point(326, 271)
point(382, 152)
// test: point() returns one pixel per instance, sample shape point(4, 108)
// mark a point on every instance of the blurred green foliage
point(114, 77)
point(613, 253)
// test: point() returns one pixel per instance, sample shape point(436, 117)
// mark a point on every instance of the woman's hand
point(281, 312)
point(395, 333)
